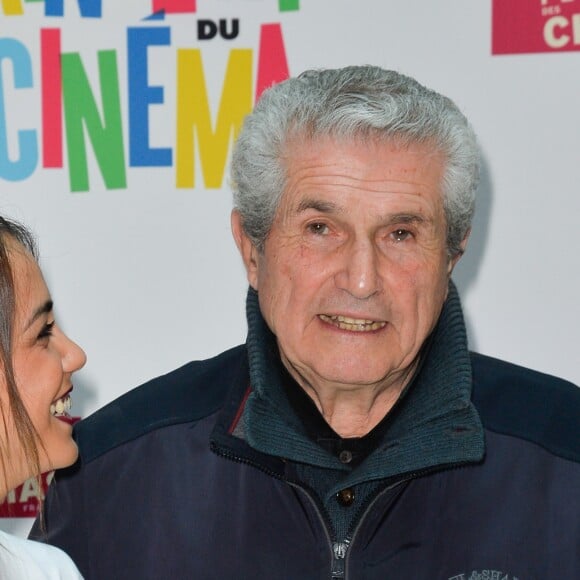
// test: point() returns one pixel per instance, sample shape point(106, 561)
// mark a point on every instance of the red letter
point(272, 63)
point(51, 98)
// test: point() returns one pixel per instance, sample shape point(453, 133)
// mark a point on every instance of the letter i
point(51, 98)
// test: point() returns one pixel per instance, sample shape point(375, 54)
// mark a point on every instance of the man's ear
point(247, 249)
point(463, 245)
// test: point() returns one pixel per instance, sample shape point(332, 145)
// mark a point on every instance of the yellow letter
point(194, 115)
point(12, 7)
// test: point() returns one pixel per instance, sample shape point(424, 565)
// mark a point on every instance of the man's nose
point(358, 273)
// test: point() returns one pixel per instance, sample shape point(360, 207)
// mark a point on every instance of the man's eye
point(401, 235)
point(318, 228)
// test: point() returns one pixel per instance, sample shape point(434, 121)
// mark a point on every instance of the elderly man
point(353, 435)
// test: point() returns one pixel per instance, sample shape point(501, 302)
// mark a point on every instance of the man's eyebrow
point(406, 218)
point(44, 308)
point(331, 207)
point(325, 206)
point(318, 205)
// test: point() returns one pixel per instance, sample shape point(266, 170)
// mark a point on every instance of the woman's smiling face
point(43, 359)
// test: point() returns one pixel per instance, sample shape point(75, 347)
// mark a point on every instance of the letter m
point(194, 123)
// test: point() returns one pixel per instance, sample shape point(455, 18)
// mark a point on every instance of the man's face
point(355, 269)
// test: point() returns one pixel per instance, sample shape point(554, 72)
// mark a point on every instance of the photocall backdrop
point(116, 126)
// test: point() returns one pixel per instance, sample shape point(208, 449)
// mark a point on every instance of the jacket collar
point(432, 426)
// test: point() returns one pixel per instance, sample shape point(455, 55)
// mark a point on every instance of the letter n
point(81, 112)
point(194, 116)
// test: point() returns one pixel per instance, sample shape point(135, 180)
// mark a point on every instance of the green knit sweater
point(418, 434)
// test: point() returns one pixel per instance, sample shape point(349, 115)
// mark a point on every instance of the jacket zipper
point(409, 477)
point(352, 535)
point(340, 551)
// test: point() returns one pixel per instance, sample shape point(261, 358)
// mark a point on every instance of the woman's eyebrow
point(44, 308)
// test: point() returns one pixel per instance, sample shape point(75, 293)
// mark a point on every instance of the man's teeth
point(61, 407)
point(354, 324)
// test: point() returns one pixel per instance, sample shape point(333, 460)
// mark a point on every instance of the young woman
point(36, 364)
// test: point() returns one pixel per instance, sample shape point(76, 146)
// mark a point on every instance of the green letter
point(80, 110)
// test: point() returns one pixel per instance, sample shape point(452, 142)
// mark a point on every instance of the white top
point(22, 559)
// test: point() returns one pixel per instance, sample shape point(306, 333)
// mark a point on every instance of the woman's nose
point(73, 356)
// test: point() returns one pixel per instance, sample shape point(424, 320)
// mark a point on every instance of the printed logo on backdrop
point(82, 111)
point(531, 26)
point(22, 502)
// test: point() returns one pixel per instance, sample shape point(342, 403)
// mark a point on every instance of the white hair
point(353, 102)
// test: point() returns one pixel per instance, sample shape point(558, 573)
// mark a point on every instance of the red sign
point(22, 502)
point(527, 26)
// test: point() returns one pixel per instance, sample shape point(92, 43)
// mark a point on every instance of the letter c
point(24, 166)
point(550, 37)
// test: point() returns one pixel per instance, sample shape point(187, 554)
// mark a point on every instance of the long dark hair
point(14, 234)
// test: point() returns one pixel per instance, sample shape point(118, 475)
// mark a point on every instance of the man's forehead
point(299, 143)
point(374, 162)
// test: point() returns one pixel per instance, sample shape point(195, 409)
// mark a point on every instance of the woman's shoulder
point(29, 560)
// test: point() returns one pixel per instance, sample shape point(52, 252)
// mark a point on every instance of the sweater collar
point(433, 425)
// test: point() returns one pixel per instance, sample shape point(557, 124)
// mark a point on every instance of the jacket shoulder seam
point(526, 404)
point(181, 396)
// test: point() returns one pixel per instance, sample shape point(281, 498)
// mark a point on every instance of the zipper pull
point(339, 550)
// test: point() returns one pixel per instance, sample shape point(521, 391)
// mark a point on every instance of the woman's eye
point(318, 228)
point(46, 330)
point(401, 235)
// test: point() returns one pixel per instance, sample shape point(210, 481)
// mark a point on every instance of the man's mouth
point(61, 407)
point(353, 324)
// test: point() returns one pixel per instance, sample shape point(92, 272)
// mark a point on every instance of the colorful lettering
point(51, 98)
point(87, 8)
point(272, 65)
point(142, 95)
point(16, 170)
point(288, 5)
point(174, 6)
point(12, 7)
point(85, 123)
point(194, 117)
point(81, 110)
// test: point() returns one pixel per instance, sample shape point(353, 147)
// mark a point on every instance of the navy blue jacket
point(164, 490)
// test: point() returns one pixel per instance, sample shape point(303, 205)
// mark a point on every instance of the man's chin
point(356, 378)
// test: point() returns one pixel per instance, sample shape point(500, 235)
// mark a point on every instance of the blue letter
point(141, 95)
point(24, 166)
point(88, 8)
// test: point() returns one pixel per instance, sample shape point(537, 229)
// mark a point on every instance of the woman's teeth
point(61, 407)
